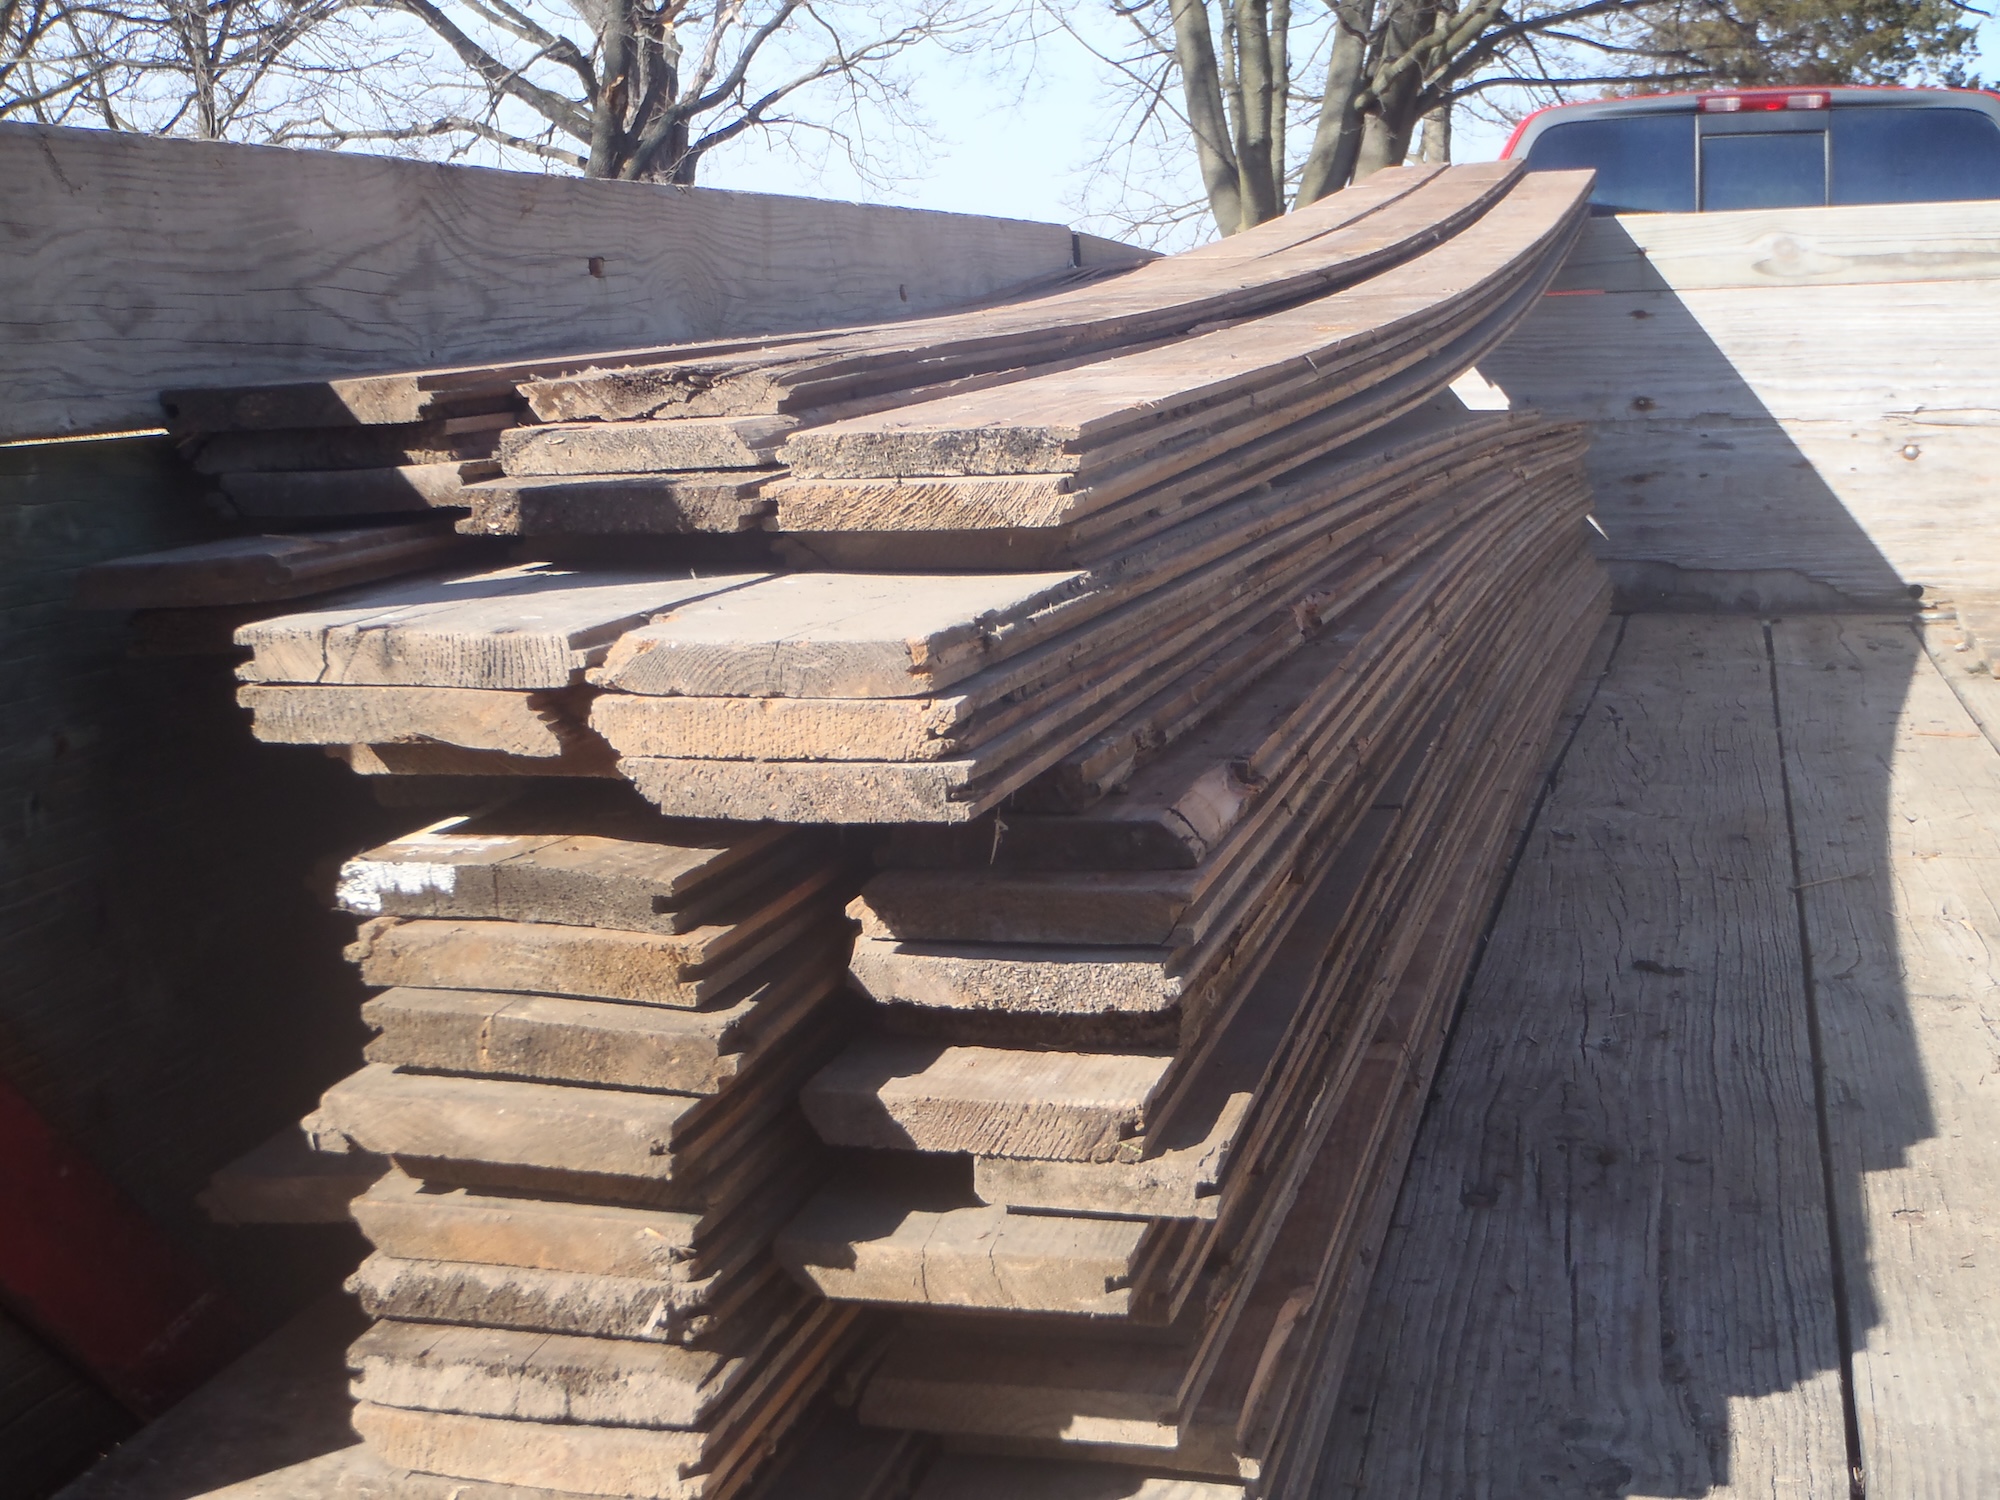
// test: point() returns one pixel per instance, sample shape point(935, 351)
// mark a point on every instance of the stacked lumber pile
point(1185, 657)
point(594, 1028)
point(1141, 1079)
point(470, 674)
point(688, 438)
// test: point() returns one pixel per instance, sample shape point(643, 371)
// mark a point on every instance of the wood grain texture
point(533, 864)
point(616, 505)
point(879, 1241)
point(507, 720)
point(503, 1122)
point(913, 1095)
point(1609, 1272)
point(1731, 436)
point(257, 569)
point(1140, 403)
point(1774, 248)
point(409, 1220)
point(143, 264)
point(540, 1377)
point(1329, 243)
point(534, 626)
point(831, 635)
point(1893, 789)
point(684, 970)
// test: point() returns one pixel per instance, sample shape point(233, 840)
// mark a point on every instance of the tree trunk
point(1256, 95)
point(1337, 135)
point(609, 144)
point(1435, 146)
point(1392, 121)
point(1194, 50)
point(1281, 71)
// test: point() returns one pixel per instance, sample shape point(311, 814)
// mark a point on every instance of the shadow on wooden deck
point(1699, 1208)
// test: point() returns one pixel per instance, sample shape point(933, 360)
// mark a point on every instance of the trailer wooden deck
point(1704, 1204)
point(1705, 1201)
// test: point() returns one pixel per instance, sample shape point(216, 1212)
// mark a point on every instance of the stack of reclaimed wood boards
point(594, 1028)
point(1171, 657)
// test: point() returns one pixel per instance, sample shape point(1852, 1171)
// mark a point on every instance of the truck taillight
point(1732, 104)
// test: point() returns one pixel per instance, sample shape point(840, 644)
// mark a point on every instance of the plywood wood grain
point(1806, 392)
point(1894, 789)
point(138, 264)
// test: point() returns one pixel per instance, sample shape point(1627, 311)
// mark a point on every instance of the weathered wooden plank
point(644, 447)
point(924, 1096)
point(1610, 1266)
point(1322, 575)
point(505, 1122)
point(617, 505)
point(686, 970)
point(1769, 249)
point(1023, 980)
point(522, 1376)
point(556, 1040)
point(148, 263)
point(446, 440)
point(1128, 404)
point(626, 1461)
point(1376, 224)
point(895, 1241)
point(539, 1377)
point(659, 1463)
point(408, 1219)
point(1893, 787)
point(263, 569)
point(533, 626)
point(587, 757)
point(1352, 1122)
point(481, 1294)
point(509, 720)
point(829, 635)
point(555, 864)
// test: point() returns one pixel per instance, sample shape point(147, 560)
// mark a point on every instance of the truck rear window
point(1863, 154)
point(1914, 156)
point(1645, 163)
point(1775, 170)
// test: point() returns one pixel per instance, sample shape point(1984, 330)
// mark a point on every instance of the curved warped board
point(1343, 238)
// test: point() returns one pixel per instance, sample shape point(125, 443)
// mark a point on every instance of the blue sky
point(996, 145)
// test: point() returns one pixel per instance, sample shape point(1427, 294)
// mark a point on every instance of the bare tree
point(1350, 81)
point(212, 69)
point(1282, 106)
point(639, 91)
point(633, 89)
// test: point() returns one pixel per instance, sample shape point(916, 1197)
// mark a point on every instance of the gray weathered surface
point(1609, 1270)
point(1733, 435)
point(503, 1372)
point(534, 626)
point(143, 264)
point(1894, 793)
point(254, 569)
